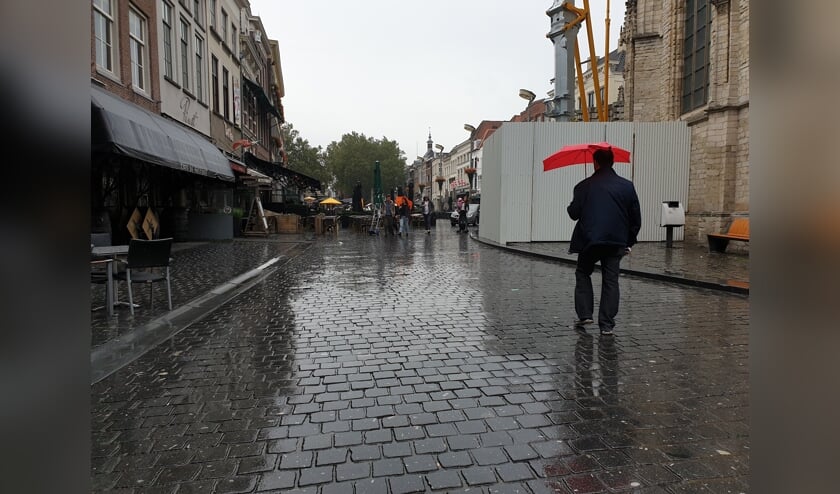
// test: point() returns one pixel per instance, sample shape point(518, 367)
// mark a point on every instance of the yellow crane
point(583, 16)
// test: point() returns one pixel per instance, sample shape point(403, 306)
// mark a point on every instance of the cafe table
point(112, 252)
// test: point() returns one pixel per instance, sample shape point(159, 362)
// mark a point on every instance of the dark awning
point(262, 98)
point(289, 178)
point(125, 128)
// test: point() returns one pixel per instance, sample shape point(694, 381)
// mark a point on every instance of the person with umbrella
point(606, 208)
point(404, 206)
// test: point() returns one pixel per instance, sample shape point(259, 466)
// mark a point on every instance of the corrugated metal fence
point(522, 203)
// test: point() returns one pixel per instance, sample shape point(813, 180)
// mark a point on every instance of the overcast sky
point(396, 69)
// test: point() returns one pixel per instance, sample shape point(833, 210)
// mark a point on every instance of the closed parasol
point(378, 199)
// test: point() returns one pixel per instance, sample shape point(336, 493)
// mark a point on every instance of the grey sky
point(390, 68)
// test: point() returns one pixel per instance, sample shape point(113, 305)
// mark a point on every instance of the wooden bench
point(739, 230)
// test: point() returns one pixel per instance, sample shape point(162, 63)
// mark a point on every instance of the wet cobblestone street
point(197, 268)
point(432, 363)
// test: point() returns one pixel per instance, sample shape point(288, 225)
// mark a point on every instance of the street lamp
point(439, 178)
point(528, 95)
point(471, 170)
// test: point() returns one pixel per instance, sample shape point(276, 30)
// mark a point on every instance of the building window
point(224, 26)
point(199, 67)
point(137, 48)
point(213, 14)
point(696, 47)
point(591, 99)
point(214, 74)
point(103, 28)
point(198, 13)
point(247, 111)
point(167, 40)
point(185, 54)
point(226, 93)
point(234, 40)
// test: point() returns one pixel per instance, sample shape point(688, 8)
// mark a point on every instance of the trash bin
point(673, 216)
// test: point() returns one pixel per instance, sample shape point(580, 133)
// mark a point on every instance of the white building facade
point(224, 72)
point(182, 54)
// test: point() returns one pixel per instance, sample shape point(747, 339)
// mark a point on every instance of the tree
point(352, 159)
point(303, 158)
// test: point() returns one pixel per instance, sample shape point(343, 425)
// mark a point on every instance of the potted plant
point(237, 214)
point(470, 173)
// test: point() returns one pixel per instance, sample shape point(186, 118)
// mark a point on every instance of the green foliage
point(352, 159)
point(345, 162)
point(304, 158)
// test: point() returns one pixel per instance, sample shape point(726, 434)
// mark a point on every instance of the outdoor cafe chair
point(147, 263)
point(101, 274)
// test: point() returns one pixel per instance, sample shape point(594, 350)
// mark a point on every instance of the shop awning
point(125, 128)
point(262, 98)
point(256, 178)
point(289, 178)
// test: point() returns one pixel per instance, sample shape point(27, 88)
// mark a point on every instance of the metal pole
point(607, 66)
point(593, 62)
point(584, 107)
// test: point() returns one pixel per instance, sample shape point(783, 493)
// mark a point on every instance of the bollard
point(669, 236)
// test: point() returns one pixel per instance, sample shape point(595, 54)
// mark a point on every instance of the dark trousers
point(610, 257)
point(427, 218)
point(389, 225)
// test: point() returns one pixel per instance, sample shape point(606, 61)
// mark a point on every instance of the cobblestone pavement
point(685, 262)
point(432, 363)
point(197, 268)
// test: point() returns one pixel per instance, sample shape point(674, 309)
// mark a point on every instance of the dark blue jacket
point(607, 211)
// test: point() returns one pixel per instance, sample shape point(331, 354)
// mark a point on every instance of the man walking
point(428, 208)
point(388, 215)
point(606, 208)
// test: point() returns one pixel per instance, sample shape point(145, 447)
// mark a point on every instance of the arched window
point(696, 47)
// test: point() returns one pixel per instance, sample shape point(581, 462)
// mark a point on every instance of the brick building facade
point(712, 38)
point(117, 26)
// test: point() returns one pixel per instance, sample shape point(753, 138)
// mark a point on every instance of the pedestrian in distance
point(428, 209)
point(463, 207)
point(404, 207)
point(606, 208)
point(388, 216)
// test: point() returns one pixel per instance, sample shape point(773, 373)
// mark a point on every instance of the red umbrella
point(577, 154)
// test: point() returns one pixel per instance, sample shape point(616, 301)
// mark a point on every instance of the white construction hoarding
point(522, 203)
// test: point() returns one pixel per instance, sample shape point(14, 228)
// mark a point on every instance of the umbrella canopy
point(330, 201)
point(578, 154)
point(308, 198)
point(377, 185)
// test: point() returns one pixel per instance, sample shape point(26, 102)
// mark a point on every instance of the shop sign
point(189, 119)
point(237, 103)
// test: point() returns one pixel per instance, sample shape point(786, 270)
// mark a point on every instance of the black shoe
point(583, 322)
point(606, 332)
